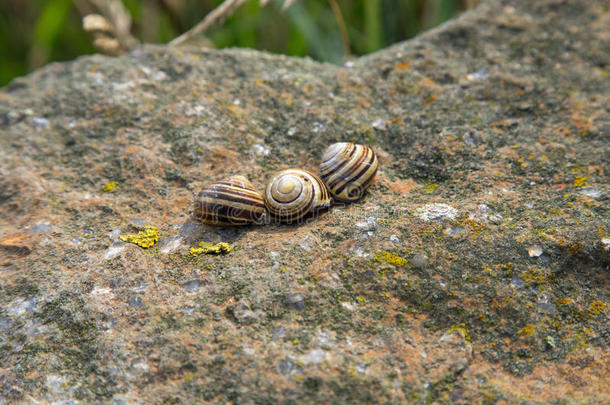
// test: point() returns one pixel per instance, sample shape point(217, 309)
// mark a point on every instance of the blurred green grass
point(36, 32)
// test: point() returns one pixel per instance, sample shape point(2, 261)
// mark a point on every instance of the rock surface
point(492, 133)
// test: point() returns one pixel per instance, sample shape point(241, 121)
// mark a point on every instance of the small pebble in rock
point(395, 240)
point(41, 227)
point(138, 222)
point(260, 150)
point(136, 302)
point(591, 192)
point(278, 333)
point(187, 310)
point(113, 251)
point(323, 337)
point(606, 243)
point(22, 306)
point(315, 356)
point(545, 305)
point(114, 234)
point(436, 212)
point(307, 243)
point(455, 231)
point(471, 138)
point(171, 244)
point(480, 74)
point(379, 124)
point(40, 123)
point(288, 367)
point(139, 365)
point(368, 224)
point(190, 229)
point(318, 127)
point(360, 252)
point(419, 260)
point(5, 323)
point(192, 286)
point(296, 301)
point(517, 281)
point(534, 251)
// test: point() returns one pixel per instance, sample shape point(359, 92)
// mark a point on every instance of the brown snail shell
point(294, 193)
point(234, 201)
point(348, 169)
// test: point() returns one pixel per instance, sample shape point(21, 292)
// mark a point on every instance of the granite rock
point(494, 124)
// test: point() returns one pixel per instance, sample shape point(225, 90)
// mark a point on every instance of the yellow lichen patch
point(111, 186)
point(533, 275)
point(527, 330)
point(146, 238)
point(461, 328)
point(565, 301)
point(210, 248)
point(473, 225)
point(390, 258)
point(580, 181)
point(402, 66)
point(430, 187)
point(596, 307)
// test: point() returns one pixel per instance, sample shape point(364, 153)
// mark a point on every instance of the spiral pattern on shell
point(348, 169)
point(294, 193)
point(234, 201)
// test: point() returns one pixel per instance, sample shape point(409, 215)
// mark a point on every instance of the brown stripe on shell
point(364, 168)
point(313, 196)
point(231, 202)
point(347, 175)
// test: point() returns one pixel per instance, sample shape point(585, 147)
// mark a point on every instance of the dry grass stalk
point(219, 14)
point(111, 28)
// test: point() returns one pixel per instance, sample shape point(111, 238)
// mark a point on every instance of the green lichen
point(145, 239)
point(210, 248)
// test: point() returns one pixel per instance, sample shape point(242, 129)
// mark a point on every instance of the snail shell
point(294, 193)
point(348, 169)
point(231, 202)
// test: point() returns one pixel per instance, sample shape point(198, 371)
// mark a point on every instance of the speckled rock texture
point(475, 270)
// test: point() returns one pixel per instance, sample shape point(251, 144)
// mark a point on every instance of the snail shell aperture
point(348, 169)
point(231, 202)
point(294, 193)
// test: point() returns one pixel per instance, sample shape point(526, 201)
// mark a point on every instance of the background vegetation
point(35, 32)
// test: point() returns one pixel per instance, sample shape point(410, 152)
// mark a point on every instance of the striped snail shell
point(348, 169)
point(231, 202)
point(294, 193)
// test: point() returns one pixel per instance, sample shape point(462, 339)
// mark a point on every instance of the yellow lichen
point(596, 307)
point(527, 330)
point(430, 187)
point(390, 258)
point(461, 328)
point(565, 301)
point(210, 248)
point(111, 186)
point(580, 181)
point(146, 238)
point(533, 275)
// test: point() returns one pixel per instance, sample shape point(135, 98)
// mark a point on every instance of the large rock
point(492, 133)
